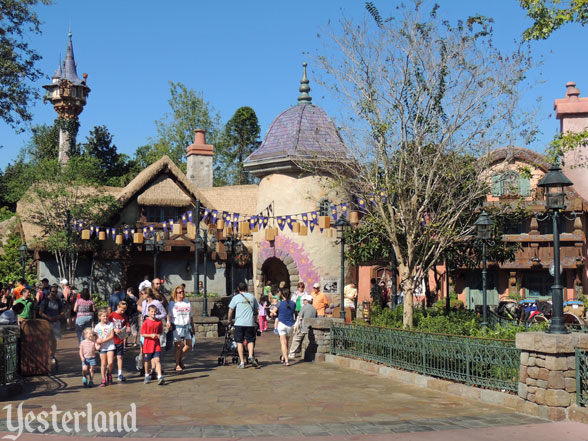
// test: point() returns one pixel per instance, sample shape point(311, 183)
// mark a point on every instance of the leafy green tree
point(175, 131)
point(114, 167)
point(550, 15)
point(432, 99)
point(18, 69)
point(14, 182)
point(44, 143)
point(239, 139)
point(10, 262)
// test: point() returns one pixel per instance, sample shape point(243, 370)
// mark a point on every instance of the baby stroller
point(230, 348)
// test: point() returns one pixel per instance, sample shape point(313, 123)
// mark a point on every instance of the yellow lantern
point(119, 239)
point(138, 238)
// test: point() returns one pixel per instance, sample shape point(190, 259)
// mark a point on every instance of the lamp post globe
point(484, 225)
point(341, 225)
point(554, 183)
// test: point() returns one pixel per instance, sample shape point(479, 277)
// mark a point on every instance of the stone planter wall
point(547, 377)
point(318, 343)
point(206, 327)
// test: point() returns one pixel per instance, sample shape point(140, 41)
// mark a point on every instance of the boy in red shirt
point(121, 330)
point(150, 332)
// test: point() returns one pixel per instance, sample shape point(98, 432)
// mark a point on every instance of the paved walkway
point(304, 399)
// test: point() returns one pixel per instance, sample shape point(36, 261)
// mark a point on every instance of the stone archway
point(282, 267)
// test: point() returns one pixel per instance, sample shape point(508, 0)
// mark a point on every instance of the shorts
point(285, 329)
point(89, 362)
point(110, 349)
point(56, 329)
point(119, 349)
point(152, 355)
point(244, 333)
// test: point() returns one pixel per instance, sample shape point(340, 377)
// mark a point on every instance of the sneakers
point(104, 383)
point(147, 379)
point(109, 378)
point(253, 362)
point(241, 365)
point(84, 381)
point(161, 380)
point(121, 378)
point(90, 383)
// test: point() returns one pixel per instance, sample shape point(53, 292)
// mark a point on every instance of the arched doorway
point(275, 270)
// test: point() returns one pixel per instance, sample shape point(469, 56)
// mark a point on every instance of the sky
point(240, 53)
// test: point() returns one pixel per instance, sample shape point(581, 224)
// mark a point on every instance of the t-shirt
point(244, 304)
point(120, 321)
point(51, 308)
point(17, 290)
point(88, 348)
point(103, 331)
point(85, 307)
point(27, 312)
point(151, 345)
point(307, 311)
point(180, 313)
point(8, 318)
point(319, 301)
point(114, 300)
point(286, 312)
point(161, 312)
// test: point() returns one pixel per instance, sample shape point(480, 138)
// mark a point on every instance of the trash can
point(367, 310)
point(35, 348)
point(9, 336)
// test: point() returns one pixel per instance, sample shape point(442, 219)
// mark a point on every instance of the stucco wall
point(578, 156)
point(316, 255)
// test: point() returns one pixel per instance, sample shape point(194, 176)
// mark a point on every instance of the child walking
point(262, 313)
point(88, 348)
point(121, 329)
point(105, 332)
point(150, 331)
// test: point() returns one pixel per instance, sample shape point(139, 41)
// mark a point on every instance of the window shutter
point(496, 186)
point(524, 186)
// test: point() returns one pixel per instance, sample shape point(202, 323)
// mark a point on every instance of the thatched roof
point(164, 192)
point(235, 199)
point(147, 176)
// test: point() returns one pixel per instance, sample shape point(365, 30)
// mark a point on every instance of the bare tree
point(427, 101)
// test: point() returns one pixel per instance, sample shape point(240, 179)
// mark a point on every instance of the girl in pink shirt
point(88, 348)
point(262, 313)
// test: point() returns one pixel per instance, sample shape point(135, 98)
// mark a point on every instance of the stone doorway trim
point(290, 266)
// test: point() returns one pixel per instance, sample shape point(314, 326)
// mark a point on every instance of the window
point(160, 214)
point(324, 207)
point(510, 183)
point(537, 284)
point(515, 228)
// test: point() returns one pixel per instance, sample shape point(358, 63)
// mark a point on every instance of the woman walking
point(84, 310)
point(180, 320)
point(286, 310)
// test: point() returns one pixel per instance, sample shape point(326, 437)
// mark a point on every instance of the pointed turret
point(304, 88)
point(68, 93)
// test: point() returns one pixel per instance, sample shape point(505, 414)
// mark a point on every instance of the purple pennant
point(305, 218)
point(289, 222)
point(344, 208)
point(333, 213)
point(145, 231)
point(108, 233)
point(383, 196)
point(171, 223)
point(265, 221)
point(252, 222)
point(236, 220)
point(80, 228)
point(280, 221)
point(165, 227)
point(133, 231)
point(91, 230)
point(184, 218)
point(126, 233)
point(190, 216)
point(260, 221)
point(214, 216)
point(206, 214)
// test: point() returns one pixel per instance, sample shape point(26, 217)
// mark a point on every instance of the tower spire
point(69, 70)
point(304, 88)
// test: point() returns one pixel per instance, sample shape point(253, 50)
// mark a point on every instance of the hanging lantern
point(119, 239)
point(102, 235)
point(229, 230)
point(244, 227)
point(178, 228)
point(191, 230)
point(303, 230)
point(270, 234)
point(329, 232)
point(138, 238)
point(354, 218)
point(255, 229)
point(220, 235)
point(85, 234)
point(295, 227)
point(220, 224)
point(324, 222)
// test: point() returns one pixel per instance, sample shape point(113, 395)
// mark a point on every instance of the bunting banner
point(126, 234)
point(305, 218)
point(206, 215)
point(214, 216)
point(333, 214)
point(164, 226)
point(91, 230)
point(265, 221)
point(281, 222)
point(383, 196)
point(235, 220)
point(252, 222)
point(289, 222)
point(171, 224)
point(133, 231)
point(361, 203)
point(145, 229)
point(344, 208)
point(184, 218)
point(190, 216)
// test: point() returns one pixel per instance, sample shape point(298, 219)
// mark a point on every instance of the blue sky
point(239, 53)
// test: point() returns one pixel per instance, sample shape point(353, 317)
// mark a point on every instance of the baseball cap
point(144, 284)
point(316, 285)
point(307, 297)
point(63, 282)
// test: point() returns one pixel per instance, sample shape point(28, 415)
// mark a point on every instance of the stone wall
point(206, 327)
point(318, 343)
point(547, 377)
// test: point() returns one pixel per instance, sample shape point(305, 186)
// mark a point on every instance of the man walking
point(244, 307)
point(307, 311)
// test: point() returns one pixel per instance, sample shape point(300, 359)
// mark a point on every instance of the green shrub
point(99, 301)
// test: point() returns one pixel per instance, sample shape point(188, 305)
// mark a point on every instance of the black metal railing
point(9, 336)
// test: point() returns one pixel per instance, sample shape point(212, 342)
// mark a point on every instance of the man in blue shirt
point(117, 296)
point(244, 306)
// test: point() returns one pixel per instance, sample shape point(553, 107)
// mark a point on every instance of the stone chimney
point(199, 157)
point(572, 112)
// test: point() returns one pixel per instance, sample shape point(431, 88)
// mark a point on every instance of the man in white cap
point(319, 300)
point(307, 311)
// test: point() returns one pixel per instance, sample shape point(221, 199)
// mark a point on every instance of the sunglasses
point(179, 292)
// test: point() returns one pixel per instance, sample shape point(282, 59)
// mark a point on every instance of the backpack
point(131, 306)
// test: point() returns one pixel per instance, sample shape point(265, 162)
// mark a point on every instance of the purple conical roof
point(302, 131)
point(69, 65)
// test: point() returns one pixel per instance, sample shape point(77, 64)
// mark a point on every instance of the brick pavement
point(305, 399)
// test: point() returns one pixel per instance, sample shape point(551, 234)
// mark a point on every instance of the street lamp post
point(484, 231)
point(555, 201)
point(196, 246)
point(23, 250)
point(229, 244)
point(155, 242)
point(342, 224)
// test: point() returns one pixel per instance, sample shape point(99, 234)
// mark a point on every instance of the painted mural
point(284, 247)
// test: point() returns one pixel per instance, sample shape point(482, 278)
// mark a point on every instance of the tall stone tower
point(68, 93)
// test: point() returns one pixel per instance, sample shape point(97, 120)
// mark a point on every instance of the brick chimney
point(199, 158)
point(572, 111)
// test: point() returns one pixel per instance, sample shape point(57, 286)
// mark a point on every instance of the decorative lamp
point(484, 226)
point(554, 183)
point(23, 250)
